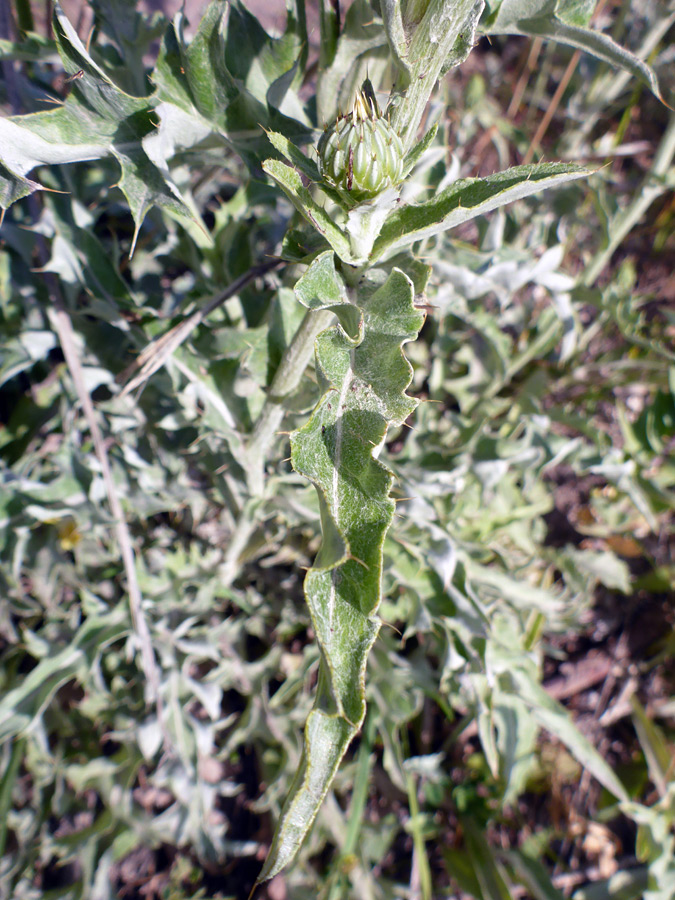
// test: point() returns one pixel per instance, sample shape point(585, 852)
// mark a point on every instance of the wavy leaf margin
point(364, 380)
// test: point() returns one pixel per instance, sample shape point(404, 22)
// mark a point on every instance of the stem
point(430, 48)
point(60, 321)
point(557, 97)
point(421, 881)
point(535, 143)
point(287, 378)
point(350, 846)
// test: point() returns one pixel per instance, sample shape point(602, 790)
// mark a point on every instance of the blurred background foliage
point(531, 568)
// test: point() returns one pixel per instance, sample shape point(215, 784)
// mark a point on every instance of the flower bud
point(361, 155)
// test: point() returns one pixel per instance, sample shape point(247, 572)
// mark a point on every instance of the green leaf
point(97, 120)
point(329, 23)
point(625, 885)
point(533, 873)
point(256, 60)
point(291, 183)
point(211, 86)
point(294, 155)
point(227, 82)
point(321, 287)
point(576, 12)
point(555, 718)
point(133, 34)
point(93, 267)
point(33, 48)
point(13, 187)
point(466, 199)
point(301, 245)
point(486, 869)
point(236, 77)
point(56, 136)
point(392, 16)
point(603, 566)
point(364, 391)
point(654, 746)
point(337, 84)
point(144, 186)
point(22, 352)
point(93, 90)
point(466, 40)
point(565, 21)
point(21, 706)
point(417, 152)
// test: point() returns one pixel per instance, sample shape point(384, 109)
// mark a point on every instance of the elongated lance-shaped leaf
point(466, 199)
point(365, 379)
point(291, 183)
point(301, 162)
point(294, 155)
point(567, 21)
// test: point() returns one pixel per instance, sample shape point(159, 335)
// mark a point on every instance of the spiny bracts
point(360, 154)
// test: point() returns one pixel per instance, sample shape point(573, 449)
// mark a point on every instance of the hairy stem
point(430, 46)
point(286, 379)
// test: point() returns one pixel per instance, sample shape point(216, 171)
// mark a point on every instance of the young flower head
point(361, 155)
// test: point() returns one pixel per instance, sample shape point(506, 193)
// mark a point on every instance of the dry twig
point(159, 351)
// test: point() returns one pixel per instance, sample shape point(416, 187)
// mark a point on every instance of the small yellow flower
point(69, 536)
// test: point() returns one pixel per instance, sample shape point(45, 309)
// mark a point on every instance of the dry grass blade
point(557, 97)
point(64, 329)
point(159, 351)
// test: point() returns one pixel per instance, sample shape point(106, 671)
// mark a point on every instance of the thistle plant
point(375, 286)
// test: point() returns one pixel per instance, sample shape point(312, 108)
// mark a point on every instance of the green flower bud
point(361, 155)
